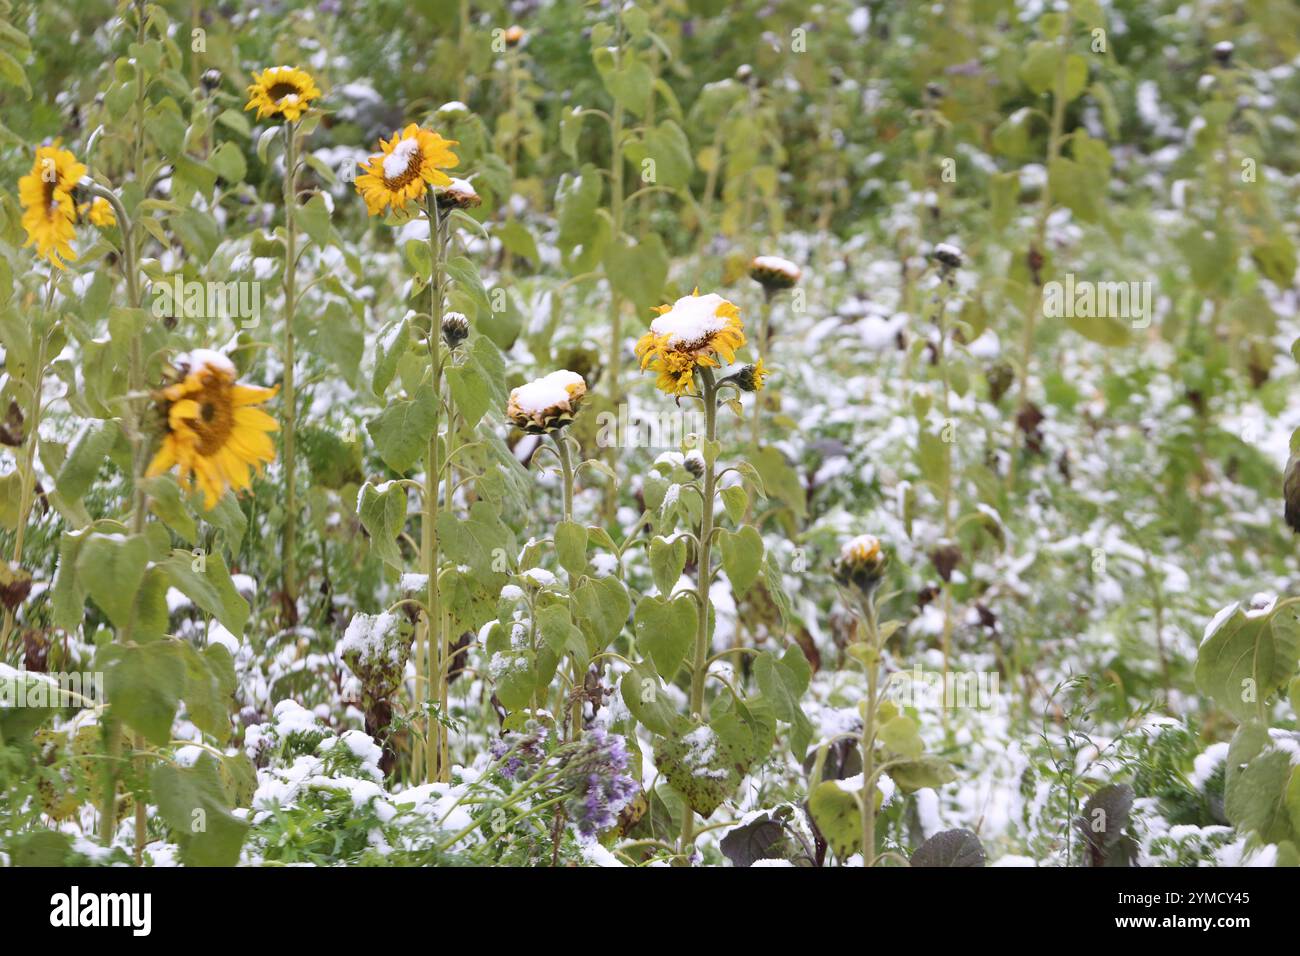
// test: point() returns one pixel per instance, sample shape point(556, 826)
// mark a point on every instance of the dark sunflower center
point(409, 174)
point(216, 416)
point(280, 90)
point(49, 193)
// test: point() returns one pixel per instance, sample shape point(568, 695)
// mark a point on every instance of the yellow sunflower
point(694, 332)
point(48, 207)
point(404, 168)
point(98, 212)
point(282, 91)
point(213, 431)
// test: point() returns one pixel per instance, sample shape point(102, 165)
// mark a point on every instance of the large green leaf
point(1249, 656)
point(205, 580)
point(112, 567)
point(382, 510)
point(195, 804)
point(665, 631)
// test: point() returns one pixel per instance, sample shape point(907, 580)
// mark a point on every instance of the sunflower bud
point(1223, 52)
point(547, 404)
point(1291, 493)
point(774, 273)
point(514, 36)
point(694, 463)
point(211, 79)
point(1001, 377)
point(945, 558)
point(455, 329)
point(750, 377)
point(948, 255)
point(862, 563)
point(15, 585)
point(458, 194)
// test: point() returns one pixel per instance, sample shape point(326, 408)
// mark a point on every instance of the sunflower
point(404, 167)
point(547, 404)
point(48, 207)
point(752, 377)
point(281, 91)
point(862, 563)
point(773, 273)
point(213, 431)
point(98, 212)
point(694, 332)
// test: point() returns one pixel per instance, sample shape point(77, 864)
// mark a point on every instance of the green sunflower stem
point(567, 471)
point(434, 641)
point(112, 725)
point(764, 336)
point(949, 432)
point(27, 467)
point(869, 734)
point(289, 542)
point(700, 665)
point(1034, 296)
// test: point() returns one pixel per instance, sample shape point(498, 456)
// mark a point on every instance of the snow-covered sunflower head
point(281, 91)
point(458, 194)
point(774, 273)
point(213, 432)
point(862, 563)
point(694, 332)
point(49, 210)
point(547, 404)
point(404, 167)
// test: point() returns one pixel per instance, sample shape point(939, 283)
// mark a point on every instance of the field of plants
point(685, 433)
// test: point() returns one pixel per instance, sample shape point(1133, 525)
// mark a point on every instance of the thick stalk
point(948, 437)
point(289, 542)
point(27, 466)
point(1034, 299)
point(700, 665)
point(869, 738)
point(445, 655)
point(764, 341)
point(433, 643)
point(112, 727)
point(566, 469)
point(616, 216)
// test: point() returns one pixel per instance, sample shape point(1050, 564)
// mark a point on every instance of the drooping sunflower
point(282, 91)
point(213, 431)
point(548, 403)
point(751, 378)
point(98, 212)
point(404, 167)
point(694, 332)
point(49, 210)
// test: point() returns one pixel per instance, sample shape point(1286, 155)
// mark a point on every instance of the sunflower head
point(49, 210)
point(213, 432)
point(751, 377)
point(455, 328)
point(281, 91)
point(774, 273)
point(547, 404)
point(404, 167)
point(694, 332)
point(458, 194)
point(948, 256)
point(861, 564)
point(98, 212)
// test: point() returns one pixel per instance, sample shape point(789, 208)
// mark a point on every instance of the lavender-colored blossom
point(601, 787)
